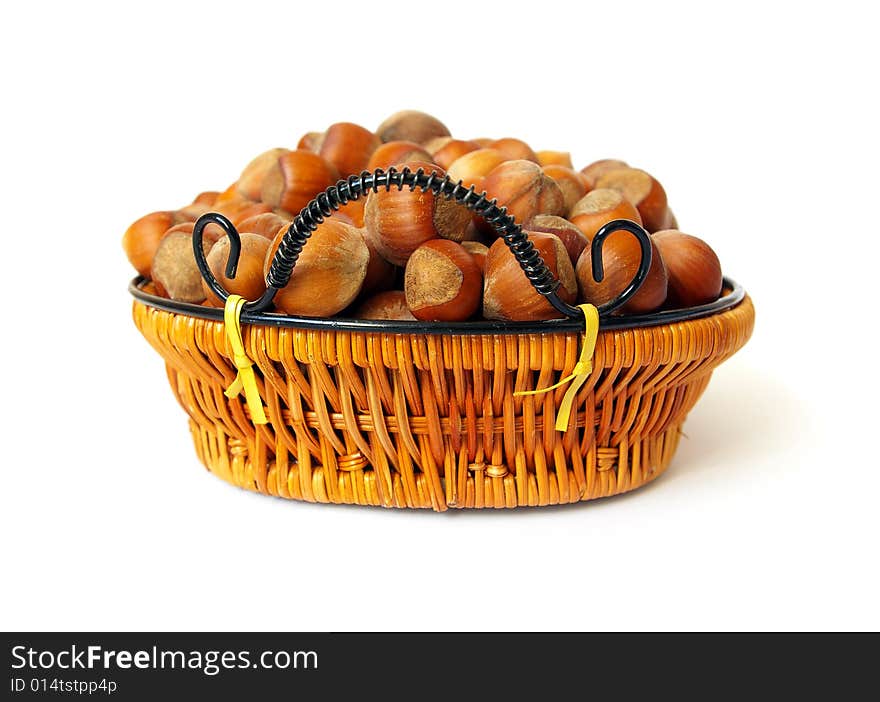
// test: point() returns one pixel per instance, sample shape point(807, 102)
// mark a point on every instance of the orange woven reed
point(402, 420)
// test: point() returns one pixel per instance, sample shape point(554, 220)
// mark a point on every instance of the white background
point(761, 121)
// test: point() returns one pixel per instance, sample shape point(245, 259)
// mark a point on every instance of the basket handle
point(355, 186)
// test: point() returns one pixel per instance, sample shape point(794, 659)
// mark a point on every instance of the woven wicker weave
point(403, 420)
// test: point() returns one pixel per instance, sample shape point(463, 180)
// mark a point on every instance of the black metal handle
point(353, 187)
point(599, 270)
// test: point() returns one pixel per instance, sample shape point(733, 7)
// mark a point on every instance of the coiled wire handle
point(355, 186)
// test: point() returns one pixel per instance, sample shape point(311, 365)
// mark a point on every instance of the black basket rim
point(733, 295)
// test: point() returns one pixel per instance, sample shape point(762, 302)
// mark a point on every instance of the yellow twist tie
point(579, 373)
point(245, 379)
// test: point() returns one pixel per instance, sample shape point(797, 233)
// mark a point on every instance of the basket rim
point(734, 293)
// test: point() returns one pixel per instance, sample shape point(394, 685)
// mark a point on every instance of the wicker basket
point(362, 413)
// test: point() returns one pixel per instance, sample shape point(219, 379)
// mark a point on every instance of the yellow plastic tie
point(579, 373)
point(245, 380)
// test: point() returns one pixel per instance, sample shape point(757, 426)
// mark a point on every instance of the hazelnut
point(352, 212)
point(573, 239)
point(588, 183)
point(231, 194)
point(442, 282)
point(514, 149)
point(570, 183)
point(621, 256)
point(149, 287)
point(599, 168)
point(342, 217)
point(208, 197)
point(238, 211)
point(693, 268)
point(142, 238)
point(509, 295)
point(554, 158)
point(348, 147)
point(329, 273)
point(248, 281)
point(445, 150)
point(411, 125)
point(599, 207)
point(266, 224)
point(472, 167)
point(642, 190)
point(478, 250)
point(389, 305)
point(669, 221)
point(211, 234)
point(397, 152)
point(191, 212)
point(311, 141)
point(174, 270)
point(380, 273)
point(524, 190)
point(251, 179)
point(296, 178)
point(399, 221)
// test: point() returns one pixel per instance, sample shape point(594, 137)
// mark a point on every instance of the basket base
point(618, 470)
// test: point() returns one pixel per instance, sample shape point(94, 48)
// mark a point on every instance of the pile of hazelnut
point(404, 255)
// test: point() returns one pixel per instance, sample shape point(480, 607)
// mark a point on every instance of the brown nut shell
point(598, 207)
point(693, 268)
point(573, 239)
point(388, 305)
point(621, 255)
point(509, 295)
point(249, 281)
point(229, 195)
point(524, 190)
point(478, 250)
point(296, 178)
point(554, 158)
point(445, 150)
point(442, 282)
point(208, 197)
point(514, 149)
point(311, 141)
point(250, 182)
point(598, 168)
point(174, 270)
point(643, 191)
point(380, 273)
point(411, 125)
point(242, 210)
point(473, 166)
point(348, 147)
point(394, 152)
point(142, 238)
point(342, 217)
point(203, 202)
point(669, 221)
point(353, 211)
point(266, 224)
point(191, 212)
point(149, 287)
point(399, 221)
point(570, 183)
point(329, 273)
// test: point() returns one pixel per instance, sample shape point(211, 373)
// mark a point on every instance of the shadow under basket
point(358, 414)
